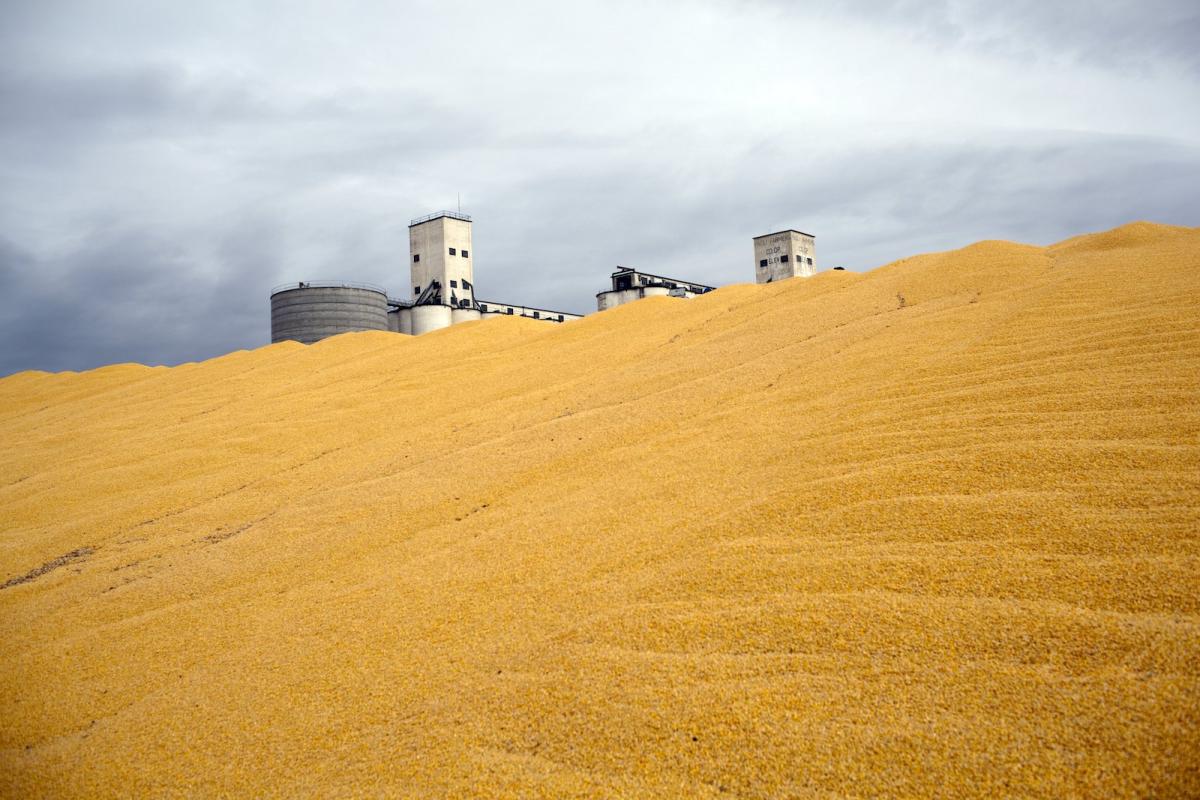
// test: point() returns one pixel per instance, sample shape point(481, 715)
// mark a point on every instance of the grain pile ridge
point(930, 530)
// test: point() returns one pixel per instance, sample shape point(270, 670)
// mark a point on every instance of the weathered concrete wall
point(786, 254)
point(430, 318)
point(310, 314)
point(459, 315)
point(606, 300)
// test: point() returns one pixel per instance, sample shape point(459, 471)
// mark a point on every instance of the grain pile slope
point(930, 530)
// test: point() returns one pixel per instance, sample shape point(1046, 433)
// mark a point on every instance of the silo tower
point(310, 311)
point(443, 276)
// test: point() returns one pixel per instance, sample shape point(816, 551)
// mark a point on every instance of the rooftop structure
point(629, 284)
point(786, 254)
point(490, 308)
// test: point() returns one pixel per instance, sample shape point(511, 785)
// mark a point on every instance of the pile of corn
point(933, 530)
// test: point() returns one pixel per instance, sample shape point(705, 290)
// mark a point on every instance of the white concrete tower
point(786, 254)
point(443, 275)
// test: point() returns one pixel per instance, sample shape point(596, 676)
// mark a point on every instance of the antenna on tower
point(460, 202)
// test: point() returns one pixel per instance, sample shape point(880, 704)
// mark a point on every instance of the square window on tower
point(416, 290)
point(783, 259)
point(416, 257)
point(466, 284)
point(451, 251)
point(762, 263)
point(453, 284)
point(810, 261)
point(465, 254)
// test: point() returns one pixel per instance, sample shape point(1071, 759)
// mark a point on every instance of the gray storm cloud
point(163, 166)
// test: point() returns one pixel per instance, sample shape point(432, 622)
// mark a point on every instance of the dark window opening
point(536, 315)
point(416, 257)
point(624, 282)
point(453, 284)
point(783, 259)
point(560, 317)
point(466, 284)
point(465, 254)
point(483, 307)
point(464, 303)
point(810, 261)
point(510, 311)
point(451, 251)
point(762, 263)
point(416, 290)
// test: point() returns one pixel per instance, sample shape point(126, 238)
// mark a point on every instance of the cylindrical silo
point(394, 320)
point(310, 312)
point(406, 321)
point(458, 315)
point(430, 318)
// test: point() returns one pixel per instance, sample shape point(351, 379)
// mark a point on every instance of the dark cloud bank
point(150, 201)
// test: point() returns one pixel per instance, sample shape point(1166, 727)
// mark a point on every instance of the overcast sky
point(164, 164)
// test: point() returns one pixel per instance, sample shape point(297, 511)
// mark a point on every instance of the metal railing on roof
point(287, 287)
point(436, 214)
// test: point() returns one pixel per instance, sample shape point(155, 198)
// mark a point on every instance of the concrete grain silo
point(400, 317)
point(309, 312)
point(430, 318)
point(459, 315)
point(406, 320)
